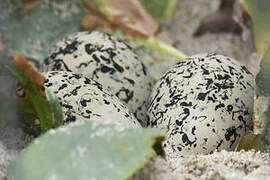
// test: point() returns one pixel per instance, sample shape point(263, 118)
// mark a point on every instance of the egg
point(107, 60)
point(205, 101)
point(84, 99)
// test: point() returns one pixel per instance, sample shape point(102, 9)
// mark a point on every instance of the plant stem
point(164, 47)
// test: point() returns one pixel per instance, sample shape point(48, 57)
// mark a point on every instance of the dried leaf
point(131, 15)
point(90, 21)
point(241, 16)
point(110, 23)
point(251, 141)
point(253, 64)
point(220, 21)
point(35, 76)
point(29, 5)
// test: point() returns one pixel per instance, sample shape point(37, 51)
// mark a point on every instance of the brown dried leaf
point(241, 16)
point(253, 64)
point(220, 21)
point(2, 47)
point(35, 76)
point(132, 14)
point(90, 21)
point(250, 141)
point(129, 15)
point(29, 5)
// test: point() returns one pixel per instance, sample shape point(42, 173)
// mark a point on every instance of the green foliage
point(263, 78)
point(160, 46)
point(260, 14)
point(34, 34)
point(56, 108)
point(160, 9)
point(40, 104)
point(4, 23)
point(87, 151)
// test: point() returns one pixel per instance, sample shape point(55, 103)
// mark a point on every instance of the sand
point(246, 165)
point(12, 141)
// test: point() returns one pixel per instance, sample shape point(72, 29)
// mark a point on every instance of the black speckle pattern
point(206, 102)
point(84, 99)
point(107, 60)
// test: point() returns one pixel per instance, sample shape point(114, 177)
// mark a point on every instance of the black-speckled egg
point(84, 99)
point(107, 60)
point(206, 102)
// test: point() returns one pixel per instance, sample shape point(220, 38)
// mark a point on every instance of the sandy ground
point(246, 165)
point(220, 165)
point(12, 141)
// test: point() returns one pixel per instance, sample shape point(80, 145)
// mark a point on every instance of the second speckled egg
point(107, 60)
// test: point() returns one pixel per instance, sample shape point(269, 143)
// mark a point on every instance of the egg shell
point(84, 99)
point(109, 61)
point(206, 102)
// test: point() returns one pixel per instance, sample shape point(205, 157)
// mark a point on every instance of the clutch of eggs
point(84, 99)
point(107, 60)
point(206, 102)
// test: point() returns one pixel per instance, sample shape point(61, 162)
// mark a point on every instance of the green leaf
point(86, 151)
point(56, 108)
point(34, 34)
point(41, 105)
point(4, 13)
point(160, 9)
point(263, 78)
point(260, 14)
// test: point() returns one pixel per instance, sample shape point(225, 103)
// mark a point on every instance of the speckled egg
point(84, 99)
point(109, 61)
point(206, 102)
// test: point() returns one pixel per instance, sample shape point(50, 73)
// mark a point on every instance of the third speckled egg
point(206, 102)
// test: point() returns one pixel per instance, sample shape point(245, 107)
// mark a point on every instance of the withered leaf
point(34, 75)
point(132, 16)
